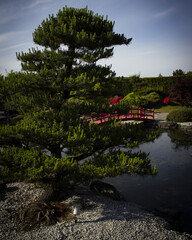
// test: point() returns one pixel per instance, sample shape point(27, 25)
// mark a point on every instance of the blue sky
point(161, 32)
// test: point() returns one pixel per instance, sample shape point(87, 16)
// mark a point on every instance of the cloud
point(164, 13)
point(13, 47)
point(10, 10)
point(36, 3)
point(6, 37)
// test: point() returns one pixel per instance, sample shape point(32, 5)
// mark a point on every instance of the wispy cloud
point(7, 12)
point(164, 13)
point(36, 3)
point(10, 11)
point(5, 37)
point(5, 49)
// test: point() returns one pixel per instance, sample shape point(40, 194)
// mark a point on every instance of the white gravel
point(103, 219)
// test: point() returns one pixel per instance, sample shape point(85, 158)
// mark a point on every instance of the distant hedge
point(144, 86)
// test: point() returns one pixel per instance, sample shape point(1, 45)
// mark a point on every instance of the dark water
point(172, 187)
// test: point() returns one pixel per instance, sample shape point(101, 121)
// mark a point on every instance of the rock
point(54, 194)
point(48, 195)
point(185, 126)
point(167, 125)
point(106, 190)
point(3, 185)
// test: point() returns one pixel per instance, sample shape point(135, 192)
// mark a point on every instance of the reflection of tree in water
point(180, 138)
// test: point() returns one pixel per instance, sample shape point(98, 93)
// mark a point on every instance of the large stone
point(167, 125)
point(106, 190)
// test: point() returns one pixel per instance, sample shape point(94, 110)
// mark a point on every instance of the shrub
point(181, 91)
point(132, 100)
point(150, 99)
point(182, 115)
point(167, 100)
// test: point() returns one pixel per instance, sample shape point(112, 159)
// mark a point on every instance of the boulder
point(106, 190)
point(167, 125)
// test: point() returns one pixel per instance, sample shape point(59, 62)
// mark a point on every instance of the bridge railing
point(139, 114)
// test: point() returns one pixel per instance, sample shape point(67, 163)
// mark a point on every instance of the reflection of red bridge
point(134, 114)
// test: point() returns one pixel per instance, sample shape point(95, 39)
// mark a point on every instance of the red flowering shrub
point(167, 100)
point(115, 100)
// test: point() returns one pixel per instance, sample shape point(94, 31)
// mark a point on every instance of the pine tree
point(60, 82)
point(73, 41)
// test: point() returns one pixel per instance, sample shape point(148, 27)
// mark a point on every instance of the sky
point(161, 32)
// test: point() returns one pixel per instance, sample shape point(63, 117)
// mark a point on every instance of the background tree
point(178, 72)
point(59, 83)
point(181, 91)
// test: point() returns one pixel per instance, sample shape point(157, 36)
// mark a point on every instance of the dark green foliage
point(22, 164)
point(178, 72)
point(150, 100)
point(115, 163)
point(137, 91)
point(2, 94)
point(181, 138)
point(143, 86)
point(181, 91)
point(182, 115)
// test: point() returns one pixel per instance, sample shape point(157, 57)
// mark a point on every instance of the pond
point(171, 188)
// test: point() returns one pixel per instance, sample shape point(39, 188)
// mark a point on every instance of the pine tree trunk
point(56, 151)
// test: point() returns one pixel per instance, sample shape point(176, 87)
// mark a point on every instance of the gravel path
point(102, 219)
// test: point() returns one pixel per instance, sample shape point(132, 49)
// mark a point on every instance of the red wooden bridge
point(134, 114)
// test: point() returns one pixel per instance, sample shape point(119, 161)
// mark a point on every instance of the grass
point(167, 109)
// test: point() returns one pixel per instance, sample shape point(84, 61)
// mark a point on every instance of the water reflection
point(180, 138)
point(171, 187)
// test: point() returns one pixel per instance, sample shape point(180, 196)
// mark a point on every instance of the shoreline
point(102, 218)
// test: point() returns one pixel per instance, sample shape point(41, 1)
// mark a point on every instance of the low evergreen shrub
point(182, 115)
point(132, 99)
point(150, 100)
point(147, 101)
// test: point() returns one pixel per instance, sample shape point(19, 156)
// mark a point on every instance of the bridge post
point(100, 118)
point(109, 117)
point(131, 114)
point(139, 112)
point(143, 112)
point(91, 116)
point(116, 115)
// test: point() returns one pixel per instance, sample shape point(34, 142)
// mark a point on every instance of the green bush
point(150, 99)
point(182, 115)
point(132, 99)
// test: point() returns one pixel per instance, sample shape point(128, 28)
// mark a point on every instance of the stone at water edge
point(106, 190)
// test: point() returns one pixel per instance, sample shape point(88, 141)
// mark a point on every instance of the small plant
point(182, 115)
